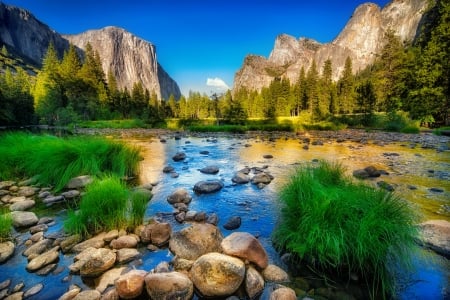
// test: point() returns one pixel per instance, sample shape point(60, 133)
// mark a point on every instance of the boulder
point(15, 199)
point(171, 285)
point(70, 294)
point(52, 199)
point(207, 187)
point(179, 196)
point(213, 219)
point(361, 174)
point(240, 178)
point(233, 223)
point(168, 169)
point(435, 234)
point(127, 254)
point(283, 293)
point(38, 248)
point(108, 278)
point(33, 290)
point(6, 184)
point(27, 191)
point(275, 274)
point(68, 243)
point(372, 171)
point(245, 246)
point(100, 260)
point(179, 156)
point(196, 240)
point(217, 275)
point(125, 241)
point(181, 265)
point(267, 156)
point(254, 282)
point(210, 170)
point(262, 177)
point(81, 258)
point(24, 218)
point(79, 182)
point(15, 296)
point(47, 269)
point(95, 242)
point(111, 235)
point(88, 295)
point(6, 251)
point(43, 259)
point(156, 233)
point(38, 228)
point(22, 205)
point(131, 284)
point(71, 194)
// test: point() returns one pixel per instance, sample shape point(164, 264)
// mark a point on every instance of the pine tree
point(312, 91)
point(346, 88)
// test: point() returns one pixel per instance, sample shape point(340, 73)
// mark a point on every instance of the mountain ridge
point(361, 39)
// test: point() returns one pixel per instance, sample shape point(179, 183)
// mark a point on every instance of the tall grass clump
point(5, 225)
point(107, 204)
point(336, 225)
point(56, 160)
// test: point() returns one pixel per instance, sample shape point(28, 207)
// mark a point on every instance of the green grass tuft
point(5, 225)
point(56, 160)
point(334, 224)
point(137, 207)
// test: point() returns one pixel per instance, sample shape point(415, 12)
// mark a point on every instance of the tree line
point(412, 78)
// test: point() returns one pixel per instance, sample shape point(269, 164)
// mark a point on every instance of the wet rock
point(245, 246)
point(15, 296)
point(5, 284)
point(204, 152)
point(283, 293)
point(168, 169)
point(190, 215)
point(18, 287)
point(200, 216)
point(43, 259)
point(71, 293)
point(36, 237)
point(385, 186)
point(22, 205)
point(372, 171)
point(179, 196)
point(361, 174)
point(6, 250)
point(436, 190)
point(262, 177)
point(38, 248)
point(162, 140)
point(172, 285)
point(181, 264)
point(267, 156)
point(24, 218)
point(254, 282)
point(126, 241)
point(108, 278)
point(435, 234)
point(45, 220)
point(95, 242)
point(125, 255)
point(110, 294)
point(80, 259)
point(162, 267)
point(3, 293)
point(79, 182)
point(38, 228)
point(33, 291)
point(71, 194)
point(207, 187)
point(179, 156)
point(180, 217)
point(212, 219)
point(68, 243)
point(233, 223)
point(275, 274)
point(217, 275)
point(88, 295)
point(245, 171)
point(100, 260)
point(111, 235)
point(46, 270)
point(210, 170)
point(44, 194)
point(156, 233)
point(240, 178)
point(131, 284)
point(53, 199)
point(174, 175)
point(196, 240)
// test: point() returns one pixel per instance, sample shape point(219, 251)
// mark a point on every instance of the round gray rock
point(179, 196)
point(24, 218)
point(207, 187)
point(172, 285)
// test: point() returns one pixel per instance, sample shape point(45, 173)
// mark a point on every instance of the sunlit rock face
point(130, 58)
point(362, 40)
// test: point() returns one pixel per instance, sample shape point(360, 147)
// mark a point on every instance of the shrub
point(56, 160)
point(334, 224)
point(5, 225)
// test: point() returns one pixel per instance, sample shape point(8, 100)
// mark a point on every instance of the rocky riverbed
point(214, 185)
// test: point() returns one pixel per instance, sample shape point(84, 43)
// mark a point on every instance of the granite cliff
point(130, 58)
point(361, 39)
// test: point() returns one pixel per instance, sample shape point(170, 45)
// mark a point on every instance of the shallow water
point(259, 208)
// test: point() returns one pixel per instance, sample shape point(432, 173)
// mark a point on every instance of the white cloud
point(217, 83)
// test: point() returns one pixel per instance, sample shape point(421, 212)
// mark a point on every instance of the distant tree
point(366, 100)
point(345, 88)
point(4, 51)
point(234, 112)
point(312, 91)
point(173, 107)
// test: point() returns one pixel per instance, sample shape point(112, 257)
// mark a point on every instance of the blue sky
point(201, 39)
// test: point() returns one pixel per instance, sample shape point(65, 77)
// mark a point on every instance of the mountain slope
point(130, 58)
point(361, 40)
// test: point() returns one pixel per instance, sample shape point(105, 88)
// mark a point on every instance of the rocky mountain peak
point(361, 39)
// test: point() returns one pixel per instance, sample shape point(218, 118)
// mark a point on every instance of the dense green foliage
point(107, 204)
point(119, 124)
point(333, 223)
point(56, 160)
point(5, 225)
